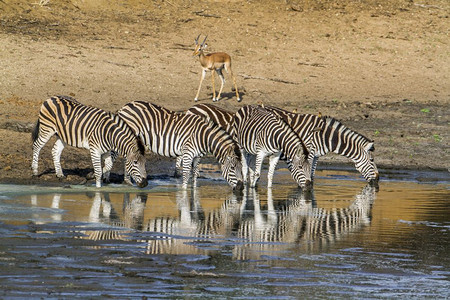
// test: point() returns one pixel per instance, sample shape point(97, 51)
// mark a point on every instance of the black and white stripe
point(261, 133)
point(173, 134)
point(87, 127)
point(223, 118)
point(321, 135)
point(333, 137)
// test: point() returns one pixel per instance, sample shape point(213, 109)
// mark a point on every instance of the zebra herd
point(239, 140)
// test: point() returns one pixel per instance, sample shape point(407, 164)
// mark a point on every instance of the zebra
point(224, 119)
point(261, 133)
point(333, 137)
point(173, 134)
point(339, 139)
point(91, 128)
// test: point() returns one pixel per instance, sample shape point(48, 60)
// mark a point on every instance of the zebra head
point(300, 168)
point(365, 164)
point(135, 164)
point(232, 167)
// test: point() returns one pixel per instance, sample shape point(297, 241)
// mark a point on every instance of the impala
point(214, 62)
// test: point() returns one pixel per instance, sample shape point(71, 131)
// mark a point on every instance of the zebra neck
point(342, 141)
point(120, 138)
point(217, 142)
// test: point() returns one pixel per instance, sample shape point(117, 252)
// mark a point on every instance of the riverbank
point(382, 70)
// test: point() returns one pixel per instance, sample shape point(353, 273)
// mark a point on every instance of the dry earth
point(381, 67)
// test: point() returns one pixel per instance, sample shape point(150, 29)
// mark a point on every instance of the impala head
point(232, 167)
point(199, 47)
point(301, 168)
point(365, 164)
point(135, 164)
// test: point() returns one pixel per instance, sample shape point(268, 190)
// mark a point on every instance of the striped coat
point(91, 128)
point(261, 133)
point(173, 134)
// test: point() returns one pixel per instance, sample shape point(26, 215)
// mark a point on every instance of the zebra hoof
point(308, 185)
point(195, 99)
point(239, 99)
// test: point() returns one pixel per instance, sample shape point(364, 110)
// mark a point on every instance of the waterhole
point(344, 239)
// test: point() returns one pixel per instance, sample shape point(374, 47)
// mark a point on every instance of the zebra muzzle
point(239, 186)
point(143, 183)
point(308, 185)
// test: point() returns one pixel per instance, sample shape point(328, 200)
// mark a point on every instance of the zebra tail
point(35, 132)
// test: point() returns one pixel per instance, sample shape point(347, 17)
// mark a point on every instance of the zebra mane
point(330, 121)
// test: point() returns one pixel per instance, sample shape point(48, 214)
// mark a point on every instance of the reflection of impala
point(214, 62)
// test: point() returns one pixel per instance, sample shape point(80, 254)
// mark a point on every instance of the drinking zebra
point(91, 128)
point(261, 133)
point(334, 137)
point(173, 134)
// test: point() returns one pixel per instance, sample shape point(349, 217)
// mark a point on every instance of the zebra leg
point(258, 166)
point(187, 168)
point(313, 162)
point(178, 167)
point(56, 153)
point(251, 165)
point(38, 144)
point(200, 85)
point(195, 171)
point(273, 161)
point(96, 158)
point(126, 176)
point(244, 165)
point(110, 157)
point(222, 79)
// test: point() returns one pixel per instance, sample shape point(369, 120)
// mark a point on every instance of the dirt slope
point(381, 67)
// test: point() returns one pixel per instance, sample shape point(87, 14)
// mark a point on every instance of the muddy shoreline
point(379, 69)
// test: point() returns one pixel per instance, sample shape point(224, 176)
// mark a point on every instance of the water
point(344, 240)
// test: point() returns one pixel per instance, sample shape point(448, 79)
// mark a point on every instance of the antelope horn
point(204, 40)
point(196, 40)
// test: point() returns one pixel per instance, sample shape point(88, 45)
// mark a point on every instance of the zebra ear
point(370, 147)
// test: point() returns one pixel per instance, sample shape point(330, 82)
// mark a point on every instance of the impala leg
point(56, 153)
point(235, 85)
point(200, 85)
point(222, 79)
point(213, 84)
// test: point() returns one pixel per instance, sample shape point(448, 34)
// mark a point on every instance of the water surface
point(345, 239)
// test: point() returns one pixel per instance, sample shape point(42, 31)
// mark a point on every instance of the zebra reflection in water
point(248, 225)
point(299, 221)
point(252, 229)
